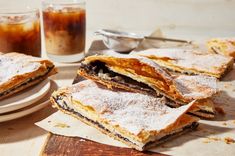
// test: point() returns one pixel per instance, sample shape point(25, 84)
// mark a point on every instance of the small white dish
point(25, 97)
point(32, 108)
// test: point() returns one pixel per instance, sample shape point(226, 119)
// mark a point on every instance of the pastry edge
point(29, 84)
point(111, 85)
point(132, 145)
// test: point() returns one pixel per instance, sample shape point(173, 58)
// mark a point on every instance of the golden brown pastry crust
point(114, 136)
point(190, 61)
point(32, 75)
point(203, 108)
point(223, 46)
point(67, 102)
point(146, 73)
point(134, 66)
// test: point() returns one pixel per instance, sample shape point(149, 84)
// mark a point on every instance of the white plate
point(25, 98)
point(32, 108)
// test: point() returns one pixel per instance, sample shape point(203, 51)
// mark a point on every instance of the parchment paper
point(213, 137)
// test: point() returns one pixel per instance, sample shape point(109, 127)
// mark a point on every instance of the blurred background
point(176, 18)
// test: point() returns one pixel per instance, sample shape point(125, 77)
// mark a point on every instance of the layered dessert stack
point(19, 71)
point(136, 100)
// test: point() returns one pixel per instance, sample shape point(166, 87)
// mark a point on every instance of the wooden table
point(60, 145)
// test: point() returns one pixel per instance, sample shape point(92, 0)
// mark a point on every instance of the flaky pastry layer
point(190, 61)
point(136, 119)
point(223, 46)
point(19, 71)
point(117, 72)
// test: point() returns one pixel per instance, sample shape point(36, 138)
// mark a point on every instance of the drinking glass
point(64, 29)
point(20, 31)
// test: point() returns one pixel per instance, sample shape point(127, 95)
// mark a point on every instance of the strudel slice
point(19, 71)
point(223, 46)
point(190, 61)
point(139, 74)
point(138, 120)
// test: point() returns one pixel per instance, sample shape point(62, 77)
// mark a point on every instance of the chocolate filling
point(201, 111)
point(207, 112)
point(191, 127)
point(100, 70)
point(27, 82)
point(63, 105)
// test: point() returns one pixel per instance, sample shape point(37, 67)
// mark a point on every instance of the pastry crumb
point(62, 125)
point(229, 140)
point(206, 141)
point(227, 85)
point(210, 139)
point(214, 139)
point(225, 124)
point(226, 140)
point(208, 131)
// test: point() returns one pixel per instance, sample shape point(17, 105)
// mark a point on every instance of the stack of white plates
point(26, 101)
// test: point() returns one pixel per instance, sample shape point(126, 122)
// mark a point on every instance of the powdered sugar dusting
point(190, 87)
point(189, 59)
point(12, 65)
point(196, 87)
point(228, 44)
point(132, 111)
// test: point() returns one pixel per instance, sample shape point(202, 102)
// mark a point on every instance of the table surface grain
point(70, 146)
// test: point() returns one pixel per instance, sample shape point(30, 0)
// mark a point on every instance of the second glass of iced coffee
point(65, 29)
point(20, 31)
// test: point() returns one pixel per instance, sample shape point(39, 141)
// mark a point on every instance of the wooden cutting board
point(76, 146)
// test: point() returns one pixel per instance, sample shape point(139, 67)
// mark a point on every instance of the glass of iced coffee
point(20, 31)
point(64, 29)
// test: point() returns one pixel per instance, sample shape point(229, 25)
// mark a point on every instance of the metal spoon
point(126, 42)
